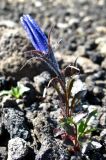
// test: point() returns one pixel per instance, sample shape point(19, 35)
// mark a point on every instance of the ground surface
point(26, 124)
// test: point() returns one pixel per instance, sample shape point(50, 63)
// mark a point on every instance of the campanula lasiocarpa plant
point(70, 128)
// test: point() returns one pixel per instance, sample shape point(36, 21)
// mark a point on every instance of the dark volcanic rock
point(14, 121)
point(3, 153)
point(17, 149)
point(48, 147)
point(6, 84)
point(95, 57)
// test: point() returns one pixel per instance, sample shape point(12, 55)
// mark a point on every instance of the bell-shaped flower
point(35, 34)
point(43, 50)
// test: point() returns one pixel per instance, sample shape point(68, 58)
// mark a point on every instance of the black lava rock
point(95, 57)
point(14, 121)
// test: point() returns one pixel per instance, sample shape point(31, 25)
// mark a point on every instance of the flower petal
point(35, 34)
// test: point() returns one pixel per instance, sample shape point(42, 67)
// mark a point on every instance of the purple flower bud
point(35, 34)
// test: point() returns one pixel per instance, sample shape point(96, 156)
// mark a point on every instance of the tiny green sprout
point(16, 92)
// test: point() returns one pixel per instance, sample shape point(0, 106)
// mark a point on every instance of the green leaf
point(89, 130)
point(16, 92)
point(81, 127)
point(67, 121)
point(68, 125)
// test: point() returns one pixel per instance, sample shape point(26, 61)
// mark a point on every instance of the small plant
point(16, 92)
point(73, 126)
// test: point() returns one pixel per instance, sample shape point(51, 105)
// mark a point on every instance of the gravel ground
point(27, 123)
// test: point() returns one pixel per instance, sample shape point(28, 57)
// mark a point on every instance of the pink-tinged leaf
point(58, 132)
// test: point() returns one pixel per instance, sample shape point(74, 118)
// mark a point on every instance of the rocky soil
point(27, 123)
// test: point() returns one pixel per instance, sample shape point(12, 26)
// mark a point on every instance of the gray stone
point(17, 149)
point(75, 157)
point(103, 133)
point(14, 121)
point(96, 144)
point(87, 65)
point(103, 119)
point(41, 81)
point(7, 23)
point(104, 64)
point(14, 59)
point(3, 153)
point(45, 106)
point(78, 86)
point(101, 41)
point(73, 22)
point(62, 25)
